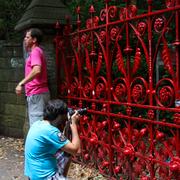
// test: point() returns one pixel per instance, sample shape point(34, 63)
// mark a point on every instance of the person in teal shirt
point(46, 145)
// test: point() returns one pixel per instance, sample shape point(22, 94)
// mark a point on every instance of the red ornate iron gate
point(125, 67)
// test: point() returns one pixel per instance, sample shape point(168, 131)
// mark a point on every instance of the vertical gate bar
point(79, 56)
point(128, 51)
point(150, 52)
point(151, 128)
point(92, 11)
point(108, 88)
point(177, 44)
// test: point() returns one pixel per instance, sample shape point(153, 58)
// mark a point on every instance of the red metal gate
point(125, 67)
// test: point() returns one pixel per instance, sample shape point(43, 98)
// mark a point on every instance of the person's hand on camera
point(75, 118)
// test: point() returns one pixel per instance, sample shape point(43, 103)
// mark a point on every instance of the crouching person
point(47, 149)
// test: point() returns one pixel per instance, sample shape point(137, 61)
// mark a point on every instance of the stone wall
point(13, 107)
point(49, 50)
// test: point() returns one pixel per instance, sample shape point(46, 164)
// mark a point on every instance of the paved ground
point(11, 159)
point(12, 162)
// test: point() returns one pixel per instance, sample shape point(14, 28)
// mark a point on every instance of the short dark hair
point(54, 108)
point(36, 33)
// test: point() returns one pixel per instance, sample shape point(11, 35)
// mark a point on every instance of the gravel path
point(12, 163)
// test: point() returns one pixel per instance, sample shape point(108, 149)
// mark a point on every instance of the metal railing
point(110, 66)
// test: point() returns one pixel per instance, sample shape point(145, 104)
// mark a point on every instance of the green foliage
point(10, 12)
point(85, 5)
point(84, 8)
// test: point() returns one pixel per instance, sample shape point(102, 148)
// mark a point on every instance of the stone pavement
point(11, 159)
point(12, 163)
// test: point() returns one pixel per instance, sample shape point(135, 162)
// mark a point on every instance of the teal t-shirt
point(42, 142)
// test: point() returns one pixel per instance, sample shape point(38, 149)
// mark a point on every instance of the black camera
point(81, 111)
point(67, 130)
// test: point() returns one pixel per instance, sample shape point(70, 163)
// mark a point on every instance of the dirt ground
point(12, 162)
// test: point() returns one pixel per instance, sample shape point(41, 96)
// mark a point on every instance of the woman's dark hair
point(54, 108)
point(36, 33)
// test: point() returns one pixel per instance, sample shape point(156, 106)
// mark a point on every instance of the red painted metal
point(125, 67)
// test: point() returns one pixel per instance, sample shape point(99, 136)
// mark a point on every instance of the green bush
point(10, 12)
